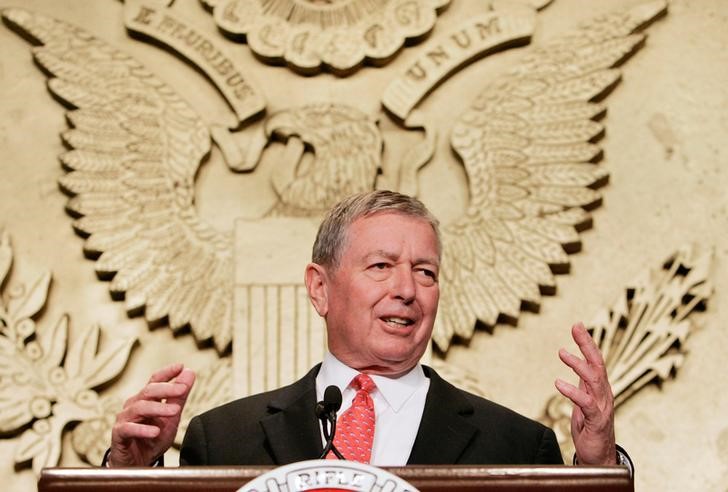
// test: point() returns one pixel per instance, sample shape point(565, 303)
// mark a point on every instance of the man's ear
point(317, 286)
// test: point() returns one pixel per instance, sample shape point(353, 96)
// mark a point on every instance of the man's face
point(381, 301)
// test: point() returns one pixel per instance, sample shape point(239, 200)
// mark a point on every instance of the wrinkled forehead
point(364, 221)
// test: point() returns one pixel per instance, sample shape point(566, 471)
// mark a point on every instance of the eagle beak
point(281, 125)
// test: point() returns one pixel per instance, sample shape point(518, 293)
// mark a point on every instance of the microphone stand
point(329, 418)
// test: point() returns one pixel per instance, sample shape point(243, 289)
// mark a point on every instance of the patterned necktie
point(355, 428)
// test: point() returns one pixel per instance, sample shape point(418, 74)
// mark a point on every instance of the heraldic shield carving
point(528, 144)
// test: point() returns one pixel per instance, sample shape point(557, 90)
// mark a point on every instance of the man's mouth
point(397, 321)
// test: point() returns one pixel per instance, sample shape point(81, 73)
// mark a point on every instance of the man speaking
point(374, 279)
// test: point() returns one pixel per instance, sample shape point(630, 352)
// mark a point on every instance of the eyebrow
point(393, 257)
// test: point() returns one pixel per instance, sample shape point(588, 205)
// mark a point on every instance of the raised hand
point(592, 418)
point(148, 423)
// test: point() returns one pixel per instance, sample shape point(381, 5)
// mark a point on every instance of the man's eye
point(429, 273)
point(379, 266)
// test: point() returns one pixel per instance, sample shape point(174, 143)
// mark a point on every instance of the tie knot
point(363, 382)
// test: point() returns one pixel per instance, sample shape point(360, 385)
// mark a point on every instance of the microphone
point(331, 402)
point(326, 412)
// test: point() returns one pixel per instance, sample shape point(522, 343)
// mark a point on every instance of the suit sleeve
point(549, 452)
point(194, 445)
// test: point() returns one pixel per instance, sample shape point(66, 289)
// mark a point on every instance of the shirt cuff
point(105, 461)
point(623, 459)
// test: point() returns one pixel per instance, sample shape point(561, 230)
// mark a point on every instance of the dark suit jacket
point(280, 427)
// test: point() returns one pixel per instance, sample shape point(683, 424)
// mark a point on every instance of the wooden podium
point(425, 478)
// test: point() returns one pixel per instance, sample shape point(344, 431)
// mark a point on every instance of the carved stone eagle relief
point(528, 145)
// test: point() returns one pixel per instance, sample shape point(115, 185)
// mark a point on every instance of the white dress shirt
point(398, 406)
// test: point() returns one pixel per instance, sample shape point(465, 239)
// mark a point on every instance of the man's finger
point(592, 371)
point(587, 345)
point(157, 392)
point(144, 409)
point(590, 379)
point(580, 367)
point(135, 430)
point(167, 373)
point(579, 398)
point(185, 380)
point(161, 391)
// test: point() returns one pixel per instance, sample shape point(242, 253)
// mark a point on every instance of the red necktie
point(355, 428)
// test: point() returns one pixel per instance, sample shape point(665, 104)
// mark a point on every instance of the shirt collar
point(395, 391)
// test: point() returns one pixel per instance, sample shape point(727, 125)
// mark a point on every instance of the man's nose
point(403, 284)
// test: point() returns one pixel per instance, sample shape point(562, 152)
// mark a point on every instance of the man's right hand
point(148, 423)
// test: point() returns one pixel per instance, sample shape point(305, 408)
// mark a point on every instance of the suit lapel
point(291, 428)
point(293, 433)
point(444, 433)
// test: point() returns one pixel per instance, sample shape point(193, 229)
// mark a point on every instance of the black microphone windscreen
point(332, 398)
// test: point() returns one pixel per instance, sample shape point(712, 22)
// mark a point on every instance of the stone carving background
point(663, 149)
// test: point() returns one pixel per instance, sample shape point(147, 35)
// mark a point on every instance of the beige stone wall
point(664, 151)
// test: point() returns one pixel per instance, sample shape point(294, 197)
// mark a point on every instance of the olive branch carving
point(48, 383)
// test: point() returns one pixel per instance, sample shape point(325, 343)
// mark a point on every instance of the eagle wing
point(528, 146)
point(135, 149)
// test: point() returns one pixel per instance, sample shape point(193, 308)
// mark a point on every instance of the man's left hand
point(592, 418)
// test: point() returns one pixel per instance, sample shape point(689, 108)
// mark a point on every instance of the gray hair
point(332, 233)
